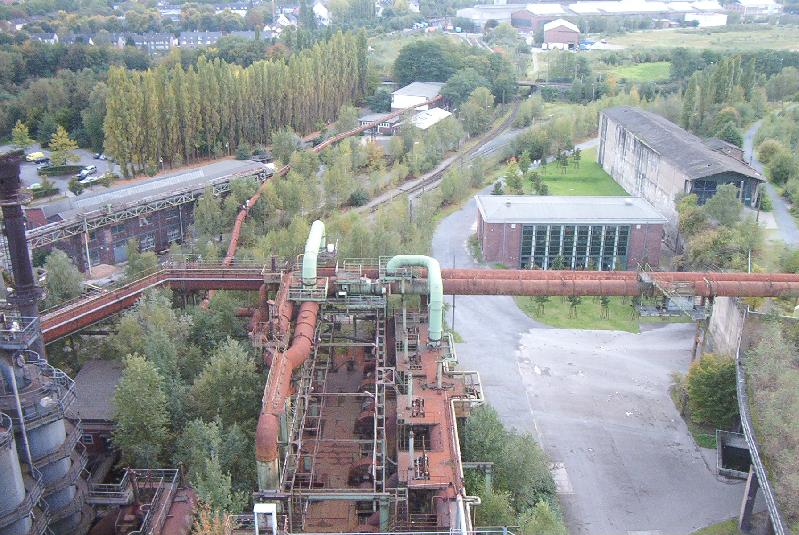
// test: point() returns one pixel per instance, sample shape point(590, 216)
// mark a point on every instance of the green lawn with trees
point(583, 177)
point(644, 72)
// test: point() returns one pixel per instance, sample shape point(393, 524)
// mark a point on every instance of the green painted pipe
point(435, 287)
point(316, 241)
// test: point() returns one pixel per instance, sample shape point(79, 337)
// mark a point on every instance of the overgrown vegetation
point(716, 236)
point(522, 492)
point(772, 367)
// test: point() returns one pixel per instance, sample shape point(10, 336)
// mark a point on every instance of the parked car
point(37, 157)
point(99, 156)
point(35, 186)
point(44, 165)
point(88, 180)
point(86, 171)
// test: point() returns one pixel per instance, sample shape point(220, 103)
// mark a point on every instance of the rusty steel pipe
point(541, 287)
point(537, 274)
point(278, 386)
point(686, 276)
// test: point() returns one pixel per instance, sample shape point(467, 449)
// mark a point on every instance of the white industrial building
point(416, 93)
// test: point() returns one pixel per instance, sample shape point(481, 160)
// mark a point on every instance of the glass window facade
point(597, 247)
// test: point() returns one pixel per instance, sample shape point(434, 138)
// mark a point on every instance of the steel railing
point(6, 430)
point(777, 522)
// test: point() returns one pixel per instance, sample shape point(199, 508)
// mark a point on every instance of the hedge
point(61, 170)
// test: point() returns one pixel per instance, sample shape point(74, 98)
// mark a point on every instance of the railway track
point(431, 182)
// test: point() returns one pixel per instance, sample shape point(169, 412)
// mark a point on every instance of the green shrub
point(243, 152)
point(765, 202)
point(42, 192)
point(60, 170)
point(712, 395)
point(359, 197)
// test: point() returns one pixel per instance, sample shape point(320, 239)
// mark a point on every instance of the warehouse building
point(653, 158)
point(591, 233)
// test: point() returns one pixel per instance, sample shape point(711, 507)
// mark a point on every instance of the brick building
point(561, 34)
point(653, 158)
point(604, 233)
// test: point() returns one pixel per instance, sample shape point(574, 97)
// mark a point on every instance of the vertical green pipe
point(316, 241)
point(435, 288)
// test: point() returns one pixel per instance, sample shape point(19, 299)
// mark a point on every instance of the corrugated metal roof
point(420, 89)
point(94, 389)
point(564, 210)
point(425, 119)
point(682, 149)
point(557, 23)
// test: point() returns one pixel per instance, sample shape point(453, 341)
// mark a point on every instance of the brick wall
point(500, 243)
point(644, 245)
point(562, 35)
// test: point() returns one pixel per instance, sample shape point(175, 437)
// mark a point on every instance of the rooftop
point(94, 388)
point(682, 149)
point(425, 119)
point(552, 209)
point(420, 89)
point(557, 23)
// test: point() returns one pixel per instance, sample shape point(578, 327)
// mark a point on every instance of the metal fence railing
point(777, 521)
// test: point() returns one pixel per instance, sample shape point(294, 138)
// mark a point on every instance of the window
point(173, 234)
point(116, 230)
point(147, 241)
point(87, 438)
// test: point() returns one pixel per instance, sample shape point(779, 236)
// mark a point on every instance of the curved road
point(598, 403)
point(782, 215)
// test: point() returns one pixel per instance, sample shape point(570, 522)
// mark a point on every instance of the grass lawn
point(728, 527)
point(588, 179)
point(753, 38)
point(644, 72)
point(589, 314)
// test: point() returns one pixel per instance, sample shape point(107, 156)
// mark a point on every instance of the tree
point(284, 143)
point(423, 61)
point(140, 414)
point(208, 219)
point(495, 509)
point(75, 186)
point(540, 301)
point(347, 119)
point(229, 386)
point(461, 84)
point(476, 112)
point(724, 206)
point(577, 156)
point(64, 281)
point(782, 167)
point(541, 520)
point(139, 263)
point(210, 522)
point(380, 101)
point(574, 302)
point(20, 137)
point(712, 395)
point(483, 434)
point(214, 487)
point(730, 133)
point(497, 189)
point(62, 147)
point(768, 149)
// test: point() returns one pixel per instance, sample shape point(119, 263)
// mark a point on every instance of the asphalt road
point(786, 224)
point(29, 175)
point(598, 403)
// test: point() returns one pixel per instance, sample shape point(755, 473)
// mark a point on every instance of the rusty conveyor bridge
point(92, 308)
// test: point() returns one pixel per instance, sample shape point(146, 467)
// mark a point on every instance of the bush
point(711, 388)
point(75, 186)
point(359, 197)
point(243, 152)
point(60, 170)
point(765, 202)
point(768, 149)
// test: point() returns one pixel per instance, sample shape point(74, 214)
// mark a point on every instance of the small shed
point(94, 391)
point(561, 34)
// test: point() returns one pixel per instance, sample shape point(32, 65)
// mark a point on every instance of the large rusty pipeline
point(529, 274)
point(277, 391)
point(541, 287)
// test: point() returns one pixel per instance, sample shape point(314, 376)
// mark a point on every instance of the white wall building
point(707, 20)
point(415, 93)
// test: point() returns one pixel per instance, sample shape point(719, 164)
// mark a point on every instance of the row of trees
point(176, 115)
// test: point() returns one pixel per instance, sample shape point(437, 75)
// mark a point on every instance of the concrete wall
point(640, 170)
point(725, 326)
point(399, 102)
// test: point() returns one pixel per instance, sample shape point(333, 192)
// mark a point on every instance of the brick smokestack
point(26, 293)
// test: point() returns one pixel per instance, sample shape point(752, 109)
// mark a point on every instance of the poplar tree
point(62, 147)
